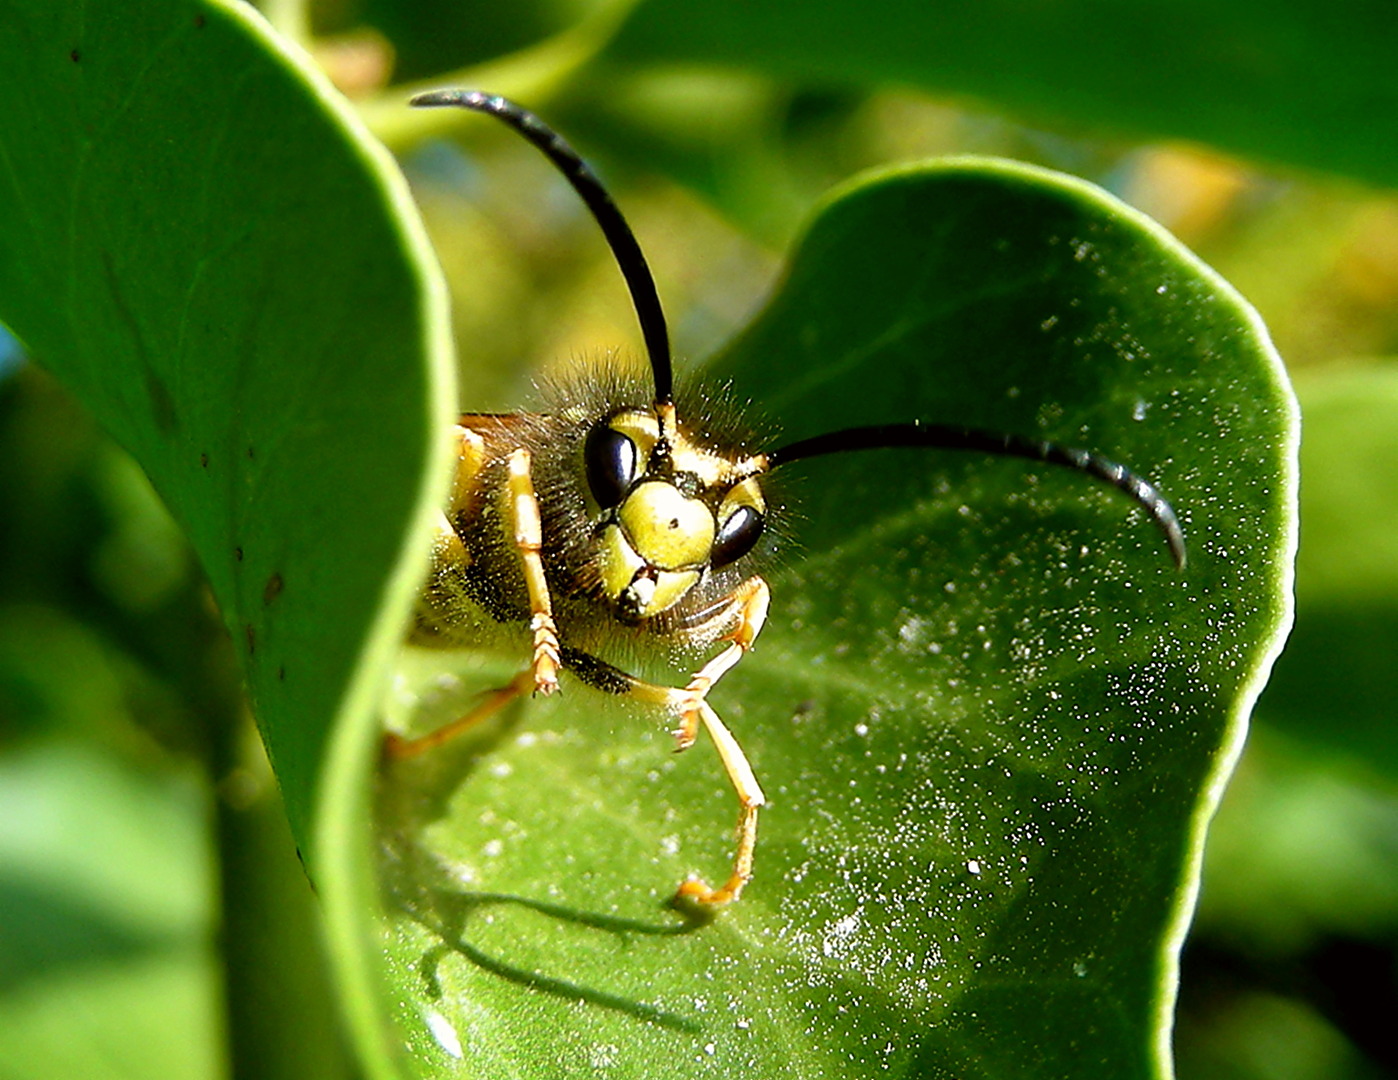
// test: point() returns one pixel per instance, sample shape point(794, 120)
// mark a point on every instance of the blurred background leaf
point(1293, 957)
point(1296, 82)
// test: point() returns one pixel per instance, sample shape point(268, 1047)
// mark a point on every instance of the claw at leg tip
point(695, 895)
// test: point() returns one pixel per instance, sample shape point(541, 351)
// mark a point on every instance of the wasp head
point(672, 510)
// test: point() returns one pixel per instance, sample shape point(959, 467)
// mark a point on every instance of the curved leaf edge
point(343, 869)
point(1283, 557)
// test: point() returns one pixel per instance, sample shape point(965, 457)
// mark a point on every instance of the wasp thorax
point(671, 510)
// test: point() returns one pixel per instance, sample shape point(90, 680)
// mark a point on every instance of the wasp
point(624, 519)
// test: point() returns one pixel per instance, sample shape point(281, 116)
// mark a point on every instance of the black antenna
point(946, 437)
point(628, 253)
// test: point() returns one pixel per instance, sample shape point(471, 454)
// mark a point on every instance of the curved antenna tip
point(996, 444)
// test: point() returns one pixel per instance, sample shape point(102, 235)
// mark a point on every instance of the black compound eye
point(611, 465)
point(736, 536)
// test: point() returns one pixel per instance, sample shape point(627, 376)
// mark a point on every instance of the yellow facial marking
point(745, 493)
point(634, 585)
point(640, 427)
point(643, 429)
point(670, 588)
point(665, 529)
point(619, 563)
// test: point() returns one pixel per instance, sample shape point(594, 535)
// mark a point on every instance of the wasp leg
point(747, 605)
point(604, 676)
point(750, 799)
point(524, 509)
point(447, 548)
point(398, 748)
point(433, 618)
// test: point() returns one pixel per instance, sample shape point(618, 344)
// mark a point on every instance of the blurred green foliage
point(115, 691)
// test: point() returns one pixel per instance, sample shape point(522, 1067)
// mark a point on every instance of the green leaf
point(1302, 82)
point(990, 717)
point(198, 238)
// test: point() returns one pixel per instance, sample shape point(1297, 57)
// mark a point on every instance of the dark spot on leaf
point(281, 674)
point(162, 405)
point(75, 56)
point(203, 461)
point(251, 635)
point(238, 553)
point(273, 588)
point(251, 455)
point(199, 22)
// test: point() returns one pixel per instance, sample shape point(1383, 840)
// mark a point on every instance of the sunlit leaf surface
point(989, 714)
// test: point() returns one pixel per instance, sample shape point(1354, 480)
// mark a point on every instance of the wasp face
point(671, 510)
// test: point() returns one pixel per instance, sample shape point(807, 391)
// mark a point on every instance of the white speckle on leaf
point(601, 1055)
point(840, 934)
point(444, 1033)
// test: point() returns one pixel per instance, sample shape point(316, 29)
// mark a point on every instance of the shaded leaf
point(105, 921)
point(198, 239)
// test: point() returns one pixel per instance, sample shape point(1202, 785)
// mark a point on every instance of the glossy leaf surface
point(988, 713)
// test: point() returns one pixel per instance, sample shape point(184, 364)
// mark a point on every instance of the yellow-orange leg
point(748, 604)
point(750, 799)
point(747, 607)
point(740, 775)
point(529, 540)
point(398, 748)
